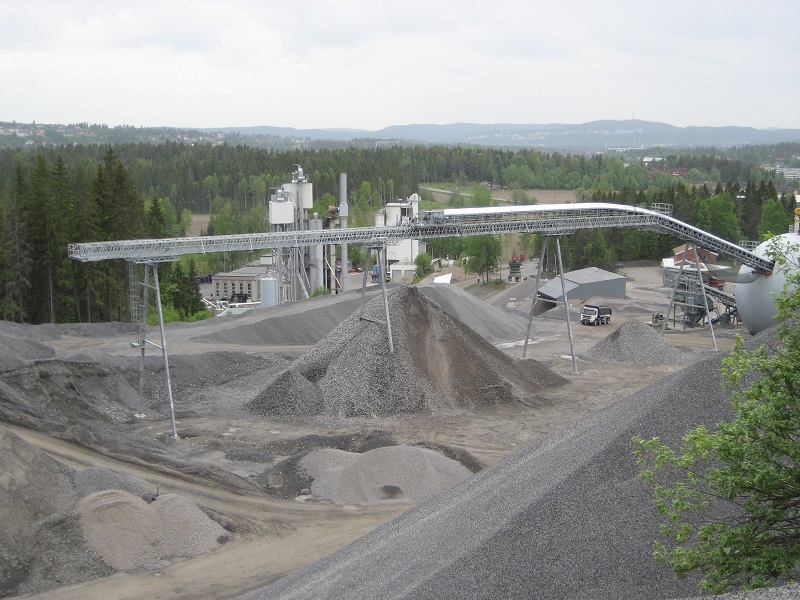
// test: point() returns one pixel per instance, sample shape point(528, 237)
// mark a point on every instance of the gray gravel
point(437, 363)
point(565, 517)
point(129, 532)
point(489, 322)
point(384, 475)
point(62, 526)
point(635, 343)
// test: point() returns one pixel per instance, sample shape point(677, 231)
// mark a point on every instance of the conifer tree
point(17, 278)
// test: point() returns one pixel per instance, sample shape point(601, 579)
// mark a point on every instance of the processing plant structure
point(305, 251)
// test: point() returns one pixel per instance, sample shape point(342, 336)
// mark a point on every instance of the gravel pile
point(635, 343)
point(299, 323)
point(41, 543)
point(62, 526)
point(96, 479)
point(565, 517)
point(18, 349)
point(90, 391)
point(127, 532)
point(437, 363)
point(487, 321)
point(383, 475)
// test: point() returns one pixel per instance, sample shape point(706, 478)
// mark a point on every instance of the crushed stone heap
point(383, 475)
point(566, 516)
point(635, 343)
point(438, 363)
point(62, 526)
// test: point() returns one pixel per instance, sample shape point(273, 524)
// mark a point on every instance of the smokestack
point(343, 210)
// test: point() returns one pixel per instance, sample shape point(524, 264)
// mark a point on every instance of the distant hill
point(595, 134)
point(584, 137)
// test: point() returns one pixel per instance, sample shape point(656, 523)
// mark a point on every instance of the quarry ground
point(274, 536)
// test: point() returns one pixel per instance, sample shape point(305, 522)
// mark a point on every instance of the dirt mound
point(437, 363)
point(62, 526)
point(50, 396)
point(91, 390)
point(291, 476)
point(635, 343)
point(389, 474)
point(41, 544)
point(168, 527)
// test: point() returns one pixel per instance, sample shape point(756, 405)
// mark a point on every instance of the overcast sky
point(367, 64)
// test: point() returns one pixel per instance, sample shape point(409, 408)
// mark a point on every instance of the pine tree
point(17, 281)
point(122, 217)
point(40, 305)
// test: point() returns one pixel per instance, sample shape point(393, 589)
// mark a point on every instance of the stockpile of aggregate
point(95, 391)
point(487, 321)
point(21, 345)
point(437, 363)
point(128, 532)
point(565, 517)
point(635, 343)
point(62, 526)
point(387, 474)
point(297, 323)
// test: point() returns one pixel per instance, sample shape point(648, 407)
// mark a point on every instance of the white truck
point(592, 314)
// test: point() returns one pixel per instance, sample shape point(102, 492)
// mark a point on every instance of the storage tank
point(281, 209)
point(755, 301)
point(270, 291)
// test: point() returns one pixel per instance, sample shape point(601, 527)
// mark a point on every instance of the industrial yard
point(298, 433)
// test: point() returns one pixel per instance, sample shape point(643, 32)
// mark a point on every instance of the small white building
point(401, 257)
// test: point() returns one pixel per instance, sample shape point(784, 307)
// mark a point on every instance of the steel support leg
point(535, 298)
point(705, 298)
point(143, 331)
point(566, 305)
point(164, 351)
point(380, 258)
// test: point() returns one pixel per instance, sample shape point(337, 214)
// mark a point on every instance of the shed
point(582, 284)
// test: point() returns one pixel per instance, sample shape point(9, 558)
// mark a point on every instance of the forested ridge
point(55, 195)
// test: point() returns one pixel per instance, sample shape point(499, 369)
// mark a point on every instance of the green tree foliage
point(774, 219)
point(362, 209)
point(323, 204)
point(730, 496)
point(16, 275)
point(121, 217)
point(183, 291)
point(589, 248)
point(456, 200)
point(156, 223)
point(717, 215)
point(320, 291)
point(520, 196)
point(481, 196)
point(447, 248)
point(423, 263)
point(484, 253)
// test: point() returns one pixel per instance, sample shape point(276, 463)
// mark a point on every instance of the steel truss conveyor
point(544, 219)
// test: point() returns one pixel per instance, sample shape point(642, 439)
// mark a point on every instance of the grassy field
point(442, 192)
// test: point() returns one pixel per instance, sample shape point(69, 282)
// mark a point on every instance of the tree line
point(53, 196)
point(192, 176)
point(46, 206)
